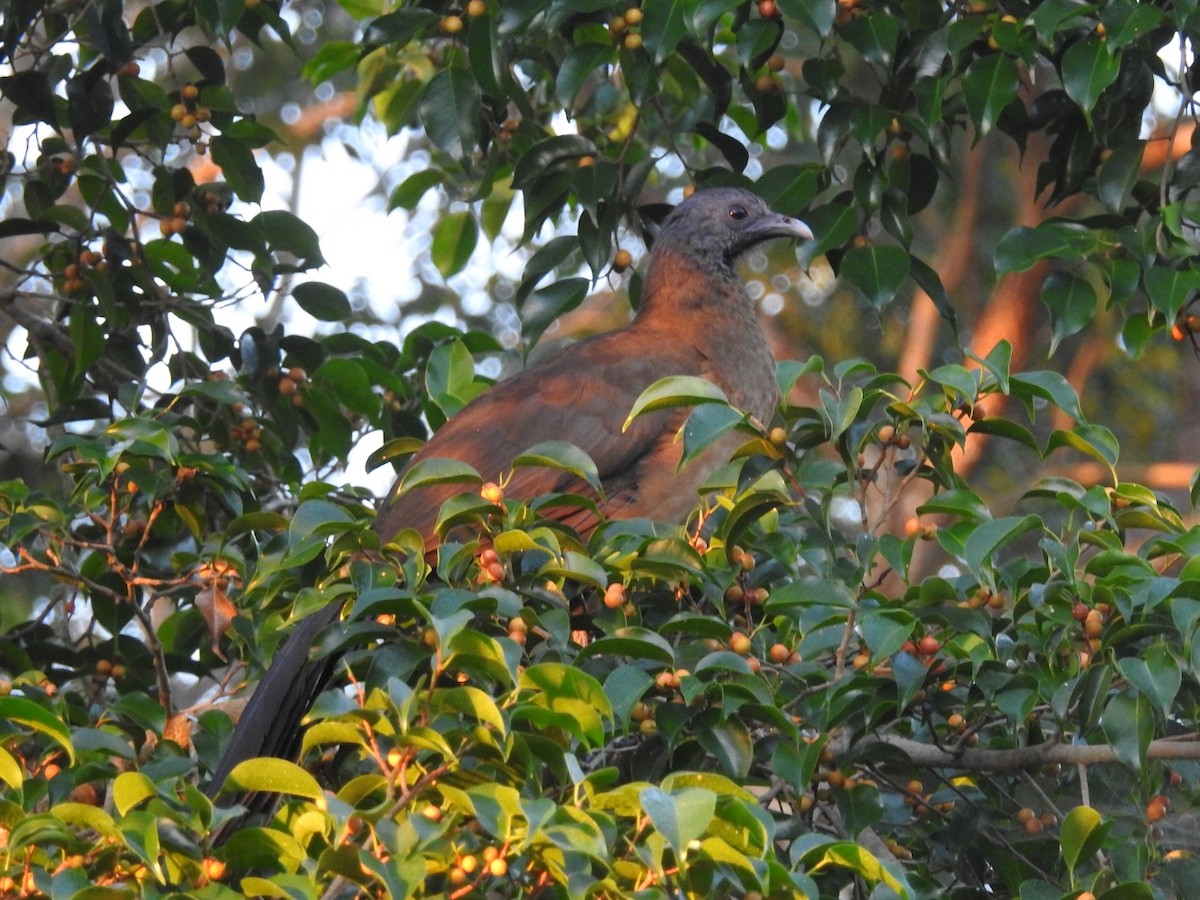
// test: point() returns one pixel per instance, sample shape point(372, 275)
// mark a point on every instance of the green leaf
point(729, 742)
point(1169, 289)
point(930, 282)
point(1088, 68)
point(272, 776)
point(815, 15)
point(987, 538)
point(886, 630)
point(706, 425)
point(347, 380)
point(790, 188)
point(1021, 248)
point(877, 271)
point(410, 191)
point(1094, 440)
point(580, 64)
point(239, 167)
point(454, 240)
point(450, 377)
point(10, 771)
point(322, 301)
point(1082, 833)
point(290, 234)
point(545, 305)
point(449, 109)
point(663, 27)
point(636, 643)
point(130, 788)
point(681, 817)
point(1048, 386)
point(565, 457)
point(438, 470)
point(1125, 21)
point(1128, 723)
point(989, 84)
point(25, 712)
point(673, 391)
point(576, 697)
point(1072, 304)
point(1156, 674)
point(857, 859)
point(624, 688)
point(1118, 175)
point(875, 37)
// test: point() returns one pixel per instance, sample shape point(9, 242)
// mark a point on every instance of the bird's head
point(723, 223)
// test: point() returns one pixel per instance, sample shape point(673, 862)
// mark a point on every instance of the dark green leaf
point(1088, 68)
point(450, 111)
point(322, 301)
point(454, 240)
point(1072, 304)
point(241, 170)
point(989, 84)
point(1128, 723)
point(877, 271)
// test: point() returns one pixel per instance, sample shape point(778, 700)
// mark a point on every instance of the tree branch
point(1020, 759)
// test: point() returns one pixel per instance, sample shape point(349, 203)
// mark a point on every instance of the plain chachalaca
point(695, 319)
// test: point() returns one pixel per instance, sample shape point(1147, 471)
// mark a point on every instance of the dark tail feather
point(270, 723)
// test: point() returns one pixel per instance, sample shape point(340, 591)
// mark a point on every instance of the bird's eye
point(738, 212)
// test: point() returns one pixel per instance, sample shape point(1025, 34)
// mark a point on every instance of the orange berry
point(779, 654)
point(214, 869)
point(632, 41)
point(633, 16)
point(451, 24)
point(614, 596)
point(498, 868)
point(768, 9)
point(739, 643)
point(477, 8)
point(776, 62)
point(585, 161)
point(622, 260)
point(928, 645)
point(178, 111)
point(492, 492)
point(189, 92)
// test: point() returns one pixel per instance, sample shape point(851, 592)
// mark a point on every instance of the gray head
point(723, 223)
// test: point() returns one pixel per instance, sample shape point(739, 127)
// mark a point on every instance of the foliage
point(783, 697)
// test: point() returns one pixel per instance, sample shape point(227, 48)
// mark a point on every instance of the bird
point(695, 318)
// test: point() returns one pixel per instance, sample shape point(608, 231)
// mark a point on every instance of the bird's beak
point(778, 226)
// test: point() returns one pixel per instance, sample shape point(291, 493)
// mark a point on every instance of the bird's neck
point(679, 284)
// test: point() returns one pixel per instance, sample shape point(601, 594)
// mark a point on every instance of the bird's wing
point(581, 395)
